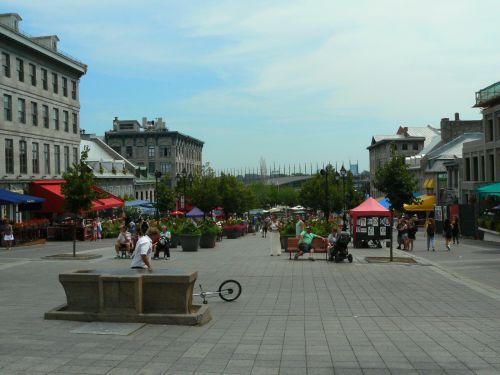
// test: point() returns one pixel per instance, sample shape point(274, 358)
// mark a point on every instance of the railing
point(487, 94)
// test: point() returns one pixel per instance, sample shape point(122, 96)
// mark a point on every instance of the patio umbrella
point(174, 213)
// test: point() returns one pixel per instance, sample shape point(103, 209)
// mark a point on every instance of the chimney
point(457, 116)
point(48, 41)
point(11, 20)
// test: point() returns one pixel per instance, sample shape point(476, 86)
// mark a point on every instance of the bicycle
point(229, 291)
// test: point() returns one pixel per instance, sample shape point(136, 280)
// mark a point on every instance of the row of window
point(165, 151)
point(33, 76)
point(473, 171)
point(33, 154)
point(22, 117)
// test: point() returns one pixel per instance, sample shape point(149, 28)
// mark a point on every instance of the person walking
point(274, 228)
point(265, 226)
point(99, 228)
point(299, 226)
point(448, 233)
point(412, 232)
point(431, 231)
point(8, 234)
point(455, 230)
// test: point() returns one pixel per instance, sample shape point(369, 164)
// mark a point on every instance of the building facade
point(481, 159)
point(152, 146)
point(408, 141)
point(40, 107)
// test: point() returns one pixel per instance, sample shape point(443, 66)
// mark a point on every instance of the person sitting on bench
point(305, 243)
point(123, 242)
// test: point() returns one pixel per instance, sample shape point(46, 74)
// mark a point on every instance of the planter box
point(490, 235)
point(190, 242)
point(207, 241)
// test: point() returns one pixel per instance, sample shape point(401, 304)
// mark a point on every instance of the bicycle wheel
point(229, 290)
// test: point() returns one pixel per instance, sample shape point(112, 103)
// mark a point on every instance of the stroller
point(339, 251)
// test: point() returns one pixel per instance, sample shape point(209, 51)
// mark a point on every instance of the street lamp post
point(324, 172)
point(183, 176)
point(343, 174)
point(157, 177)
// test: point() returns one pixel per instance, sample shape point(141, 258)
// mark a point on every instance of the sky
point(288, 81)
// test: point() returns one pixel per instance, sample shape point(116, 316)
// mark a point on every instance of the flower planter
point(190, 242)
point(207, 240)
point(174, 241)
point(490, 235)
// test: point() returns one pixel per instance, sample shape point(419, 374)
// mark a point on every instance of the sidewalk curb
point(474, 285)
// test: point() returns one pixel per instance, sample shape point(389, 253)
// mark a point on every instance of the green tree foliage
point(234, 196)
point(78, 186)
point(313, 192)
point(270, 195)
point(396, 181)
point(166, 196)
point(204, 191)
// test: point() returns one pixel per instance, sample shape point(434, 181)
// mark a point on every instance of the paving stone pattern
point(293, 317)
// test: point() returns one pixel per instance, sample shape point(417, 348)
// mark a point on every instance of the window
point(45, 116)
point(165, 167)
point(56, 118)
point(34, 159)
point(57, 158)
point(75, 123)
point(46, 159)
point(492, 167)
point(7, 107)
point(23, 158)
point(483, 170)
point(9, 156)
point(128, 151)
point(73, 90)
point(54, 83)
point(45, 80)
point(151, 151)
point(66, 158)
point(489, 131)
point(34, 113)
point(152, 167)
point(75, 155)
point(404, 146)
point(65, 86)
point(467, 169)
point(166, 151)
point(21, 111)
point(6, 64)
point(20, 69)
point(33, 74)
point(66, 121)
point(415, 146)
point(475, 168)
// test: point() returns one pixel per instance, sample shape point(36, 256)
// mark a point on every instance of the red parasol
point(176, 213)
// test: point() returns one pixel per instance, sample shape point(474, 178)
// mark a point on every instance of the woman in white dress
point(274, 228)
point(8, 234)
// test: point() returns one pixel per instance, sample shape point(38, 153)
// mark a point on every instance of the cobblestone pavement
point(293, 317)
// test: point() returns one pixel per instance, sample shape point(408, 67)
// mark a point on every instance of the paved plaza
point(441, 316)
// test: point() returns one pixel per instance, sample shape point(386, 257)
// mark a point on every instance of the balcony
point(488, 96)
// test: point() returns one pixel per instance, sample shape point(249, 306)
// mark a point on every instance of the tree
point(204, 191)
point(313, 192)
point(396, 181)
point(78, 189)
point(167, 196)
point(234, 196)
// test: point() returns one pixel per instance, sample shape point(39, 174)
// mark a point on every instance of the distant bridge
point(287, 180)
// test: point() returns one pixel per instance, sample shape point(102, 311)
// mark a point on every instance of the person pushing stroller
point(305, 243)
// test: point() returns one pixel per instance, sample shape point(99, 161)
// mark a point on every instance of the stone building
point(407, 141)
point(40, 105)
point(153, 146)
point(481, 158)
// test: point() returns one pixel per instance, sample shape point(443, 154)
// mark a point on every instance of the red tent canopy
point(54, 198)
point(369, 207)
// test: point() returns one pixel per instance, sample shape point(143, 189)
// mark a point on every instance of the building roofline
point(389, 140)
point(128, 133)
point(27, 41)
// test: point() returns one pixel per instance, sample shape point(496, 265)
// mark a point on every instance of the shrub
point(189, 228)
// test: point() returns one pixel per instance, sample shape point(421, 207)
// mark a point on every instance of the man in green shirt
point(305, 243)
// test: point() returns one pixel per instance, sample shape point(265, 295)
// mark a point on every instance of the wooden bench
point(318, 245)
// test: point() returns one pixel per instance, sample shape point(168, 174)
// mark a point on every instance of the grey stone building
point(39, 90)
point(407, 141)
point(153, 146)
point(481, 158)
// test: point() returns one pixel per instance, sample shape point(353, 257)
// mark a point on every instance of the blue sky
point(289, 81)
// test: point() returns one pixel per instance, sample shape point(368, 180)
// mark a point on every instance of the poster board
point(373, 227)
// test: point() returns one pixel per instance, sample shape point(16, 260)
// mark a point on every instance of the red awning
point(54, 198)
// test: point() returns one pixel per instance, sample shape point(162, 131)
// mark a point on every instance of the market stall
point(370, 222)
